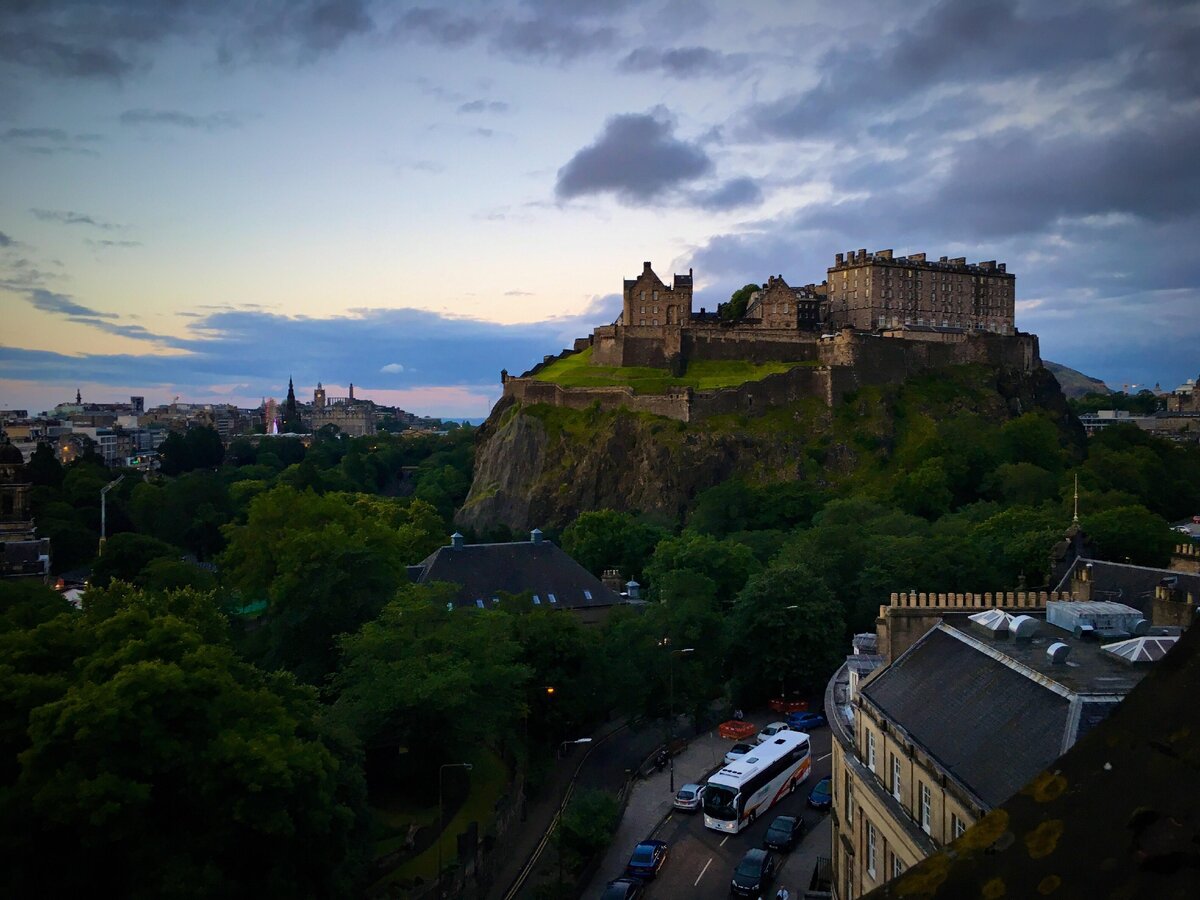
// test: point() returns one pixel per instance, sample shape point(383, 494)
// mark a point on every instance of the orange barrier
point(736, 729)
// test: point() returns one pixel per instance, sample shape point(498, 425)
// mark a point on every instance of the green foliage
point(43, 467)
point(738, 300)
point(604, 538)
point(1131, 534)
point(1143, 403)
point(326, 564)
point(588, 825)
point(734, 505)
point(781, 648)
point(423, 675)
point(158, 757)
point(726, 563)
point(199, 448)
point(126, 555)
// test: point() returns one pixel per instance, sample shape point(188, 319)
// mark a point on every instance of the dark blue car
point(806, 721)
point(648, 857)
point(821, 796)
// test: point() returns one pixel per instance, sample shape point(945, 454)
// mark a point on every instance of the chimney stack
point(456, 541)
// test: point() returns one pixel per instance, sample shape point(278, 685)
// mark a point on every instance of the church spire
point(1075, 518)
point(78, 397)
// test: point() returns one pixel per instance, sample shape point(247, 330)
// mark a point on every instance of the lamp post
point(671, 708)
point(441, 769)
point(562, 808)
point(104, 509)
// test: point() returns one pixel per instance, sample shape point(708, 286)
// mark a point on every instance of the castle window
point(656, 310)
point(656, 323)
point(642, 322)
point(655, 295)
point(643, 310)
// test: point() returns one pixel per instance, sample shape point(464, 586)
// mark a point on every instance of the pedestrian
point(783, 894)
point(738, 714)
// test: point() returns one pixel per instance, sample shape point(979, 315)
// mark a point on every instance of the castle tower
point(649, 303)
point(319, 397)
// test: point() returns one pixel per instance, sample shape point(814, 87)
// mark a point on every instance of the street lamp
point(562, 806)
point(104, 509)
point(441, 769)
point(671, 708)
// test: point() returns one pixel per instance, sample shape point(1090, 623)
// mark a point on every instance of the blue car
point(806, 721)
point(821, 796)
point(648, 857)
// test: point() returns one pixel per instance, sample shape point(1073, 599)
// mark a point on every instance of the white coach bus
point(743, 790)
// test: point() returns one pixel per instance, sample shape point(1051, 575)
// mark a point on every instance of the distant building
point(22, 553)
point(536, 566)
point(352, 417)
point(880, 290)
point(930, 740)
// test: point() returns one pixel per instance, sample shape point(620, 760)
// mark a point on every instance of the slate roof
point(990, 726)
point(484, 570)
point(1132, 585)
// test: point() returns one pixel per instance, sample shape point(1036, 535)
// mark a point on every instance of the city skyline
point(199, 201)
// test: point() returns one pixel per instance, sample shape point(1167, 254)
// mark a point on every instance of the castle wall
point(753, 344)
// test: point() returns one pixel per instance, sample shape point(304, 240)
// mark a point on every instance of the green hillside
point(576, 371)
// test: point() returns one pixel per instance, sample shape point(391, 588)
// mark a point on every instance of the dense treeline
point(301, 655)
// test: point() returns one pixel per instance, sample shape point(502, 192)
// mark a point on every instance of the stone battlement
point(1000, 599)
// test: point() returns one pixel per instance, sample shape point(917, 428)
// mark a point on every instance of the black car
point(821, 796)
point(754, 873)
point(784, 832)
point(623, 889)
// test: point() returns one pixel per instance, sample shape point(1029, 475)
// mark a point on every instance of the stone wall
point(1186, 558)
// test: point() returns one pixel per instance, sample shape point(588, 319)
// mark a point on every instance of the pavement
point(701, 860)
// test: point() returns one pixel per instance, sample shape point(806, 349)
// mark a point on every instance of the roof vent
point(1141, 628)
point(456, 541)
point(1022, 627)
point(995, 623)
point(1058, 652)
point(535, 536)
point(633, 590)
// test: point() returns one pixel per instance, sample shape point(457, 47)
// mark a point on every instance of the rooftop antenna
point(1075, 518)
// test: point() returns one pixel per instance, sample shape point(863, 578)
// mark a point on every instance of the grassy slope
point(576, 371)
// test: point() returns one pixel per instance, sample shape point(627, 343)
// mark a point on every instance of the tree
point(43, 467)
point(602, 539)
point(204, 447)
point(126, 554)
point(1131, 534)
point(162, 757)
point(727, 563)
point(422, 675)
point(736, 307)
point(780, 648)
point(173, 455)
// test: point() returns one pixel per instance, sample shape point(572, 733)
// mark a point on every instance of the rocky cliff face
point(537, 465)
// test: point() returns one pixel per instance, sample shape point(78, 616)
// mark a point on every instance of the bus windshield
point(719, 802)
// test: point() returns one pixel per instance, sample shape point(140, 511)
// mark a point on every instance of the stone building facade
point(779, 305)
point(351, 417)
point(880, 290)
point(927, 742)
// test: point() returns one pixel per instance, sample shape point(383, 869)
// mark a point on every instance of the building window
point(871, 750)
point(643, 310)
point(849, 801)
point(870, 849)
point(656, 323)
point(656, 309)
point(957, 825)
point(895, 776)
point(897, 866)
point(926, 808)
point(641, 321)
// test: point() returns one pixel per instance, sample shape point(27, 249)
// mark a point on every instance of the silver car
point(690, 796)
point(737, 751)
point(770, 731)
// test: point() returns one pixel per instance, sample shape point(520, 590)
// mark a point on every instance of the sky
point(202, 198)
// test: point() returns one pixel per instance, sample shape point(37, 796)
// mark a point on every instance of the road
point(701, 861)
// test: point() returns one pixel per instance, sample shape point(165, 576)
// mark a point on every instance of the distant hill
point(1076, 384)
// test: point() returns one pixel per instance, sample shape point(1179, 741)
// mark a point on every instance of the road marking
point(702, 871)
point(825, 757)
point(723, 840)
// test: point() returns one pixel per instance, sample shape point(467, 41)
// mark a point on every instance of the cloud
point(685, 62)
point(5, 240)
point(734, 193)
point(125, 244)
point(445, 28)
point(67, 217)
point(392, 368)
point(211, 122)
point(637, 157)
point(66, 306)
point(61, 304)
point(44, 141)
point(482, 106)
point(555, 32)
point(35, 134)
point(517, 294)
point(551, 39)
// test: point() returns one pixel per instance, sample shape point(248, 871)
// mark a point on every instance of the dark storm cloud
point(484, 106)
point(733, 194)
point(210, 122)
point(955, 42)
point(447, 29)
point(106, 40)
point(637, 157)
point(228, 346)
point(67, 217)
point(684, 62)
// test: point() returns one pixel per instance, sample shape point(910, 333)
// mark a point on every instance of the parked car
point(690, 796)
point(648, 857)
point(754, 873)
point(807, 721)
point(737, 751)
point(783, 833)
point(624, 889)
point(821, 796)
point(770, 731)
